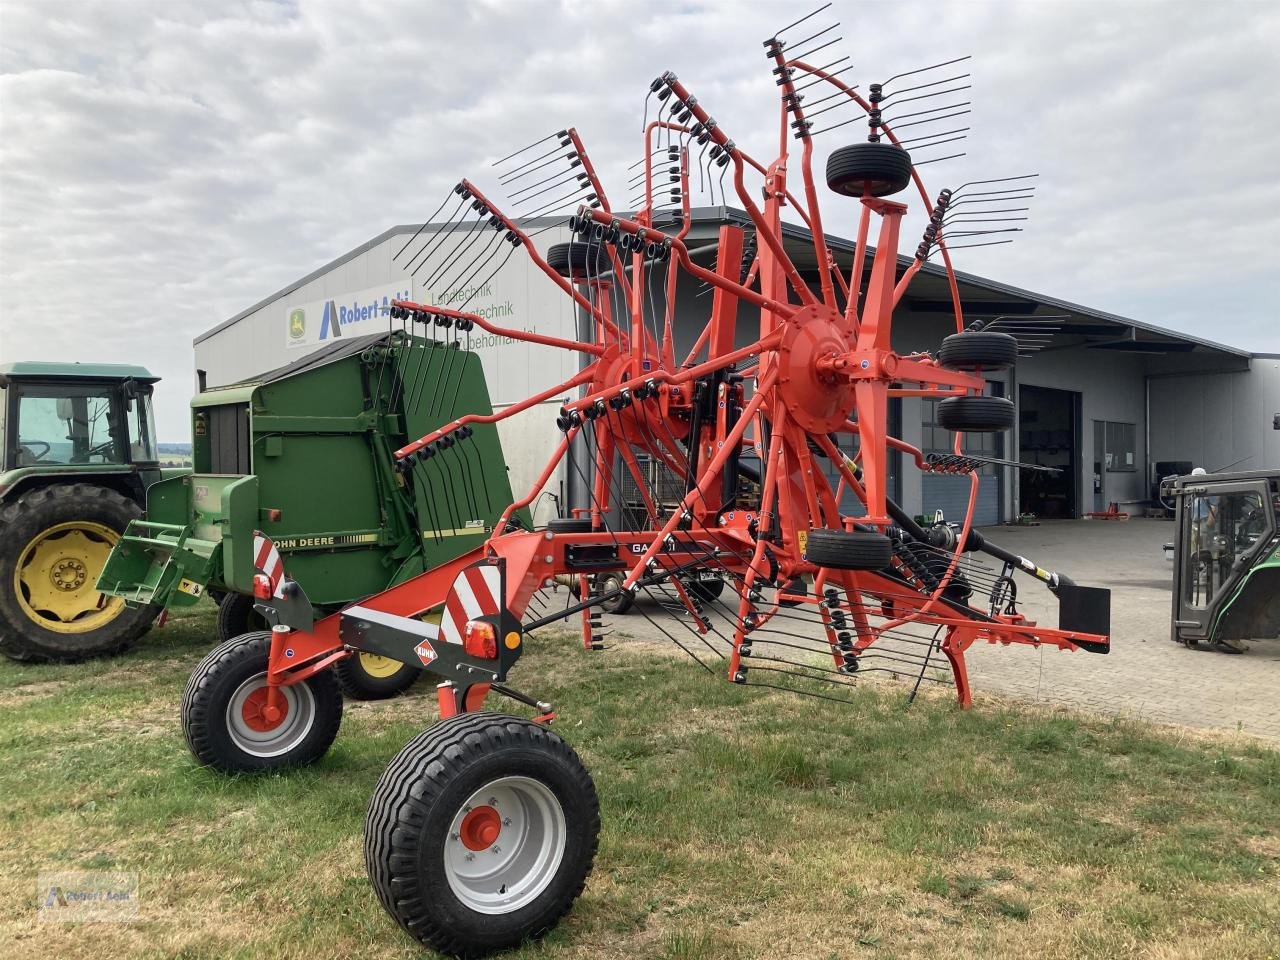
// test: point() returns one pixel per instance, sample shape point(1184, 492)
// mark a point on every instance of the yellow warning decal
point(190, 587)
point(802, 540)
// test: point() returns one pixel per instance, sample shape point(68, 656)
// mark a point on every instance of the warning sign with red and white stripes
point(266, 560)
point(477, 592)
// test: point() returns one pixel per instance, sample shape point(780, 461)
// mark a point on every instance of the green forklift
point(77, 454)
point(304, 455)
point(1226, 558)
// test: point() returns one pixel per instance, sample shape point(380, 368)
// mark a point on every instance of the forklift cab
point(1226, 557)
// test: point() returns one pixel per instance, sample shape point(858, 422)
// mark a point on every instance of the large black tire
point(427, 815)
point(221, 711)
point(976, 414)
point(236, 617)
point(367, 676)
point(581, 261)
point(978, 350)
point(570, 525)
point(869, 170)
point(707, 591)
point(848, 550)
point(41, 546)
point(620, 604)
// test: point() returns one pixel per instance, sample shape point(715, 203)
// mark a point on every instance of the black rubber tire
point(869, 170)
point(581, 261)
point(236, 617)
point(357, 683)
point(569, 525)
point(413, 806)
point(705, 591)
point(210, 689)
point(619, 604)
point(976, 414)
point(978, 350)
point(21, 638)
point(848, 550)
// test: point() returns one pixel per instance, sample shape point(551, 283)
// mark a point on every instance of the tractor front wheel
point(233, 724)
point(481, 833)
point(54, 544)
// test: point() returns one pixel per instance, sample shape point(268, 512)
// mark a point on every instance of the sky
point(165, 165)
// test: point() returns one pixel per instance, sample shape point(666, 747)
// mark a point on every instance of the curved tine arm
point(583, 376)
point(924, 196)
point(536, 257)
point(526, 335)
point(850, 427)
point(598, 189)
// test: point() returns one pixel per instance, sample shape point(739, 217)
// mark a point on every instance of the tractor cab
point(1226, 558)
point(71, 417)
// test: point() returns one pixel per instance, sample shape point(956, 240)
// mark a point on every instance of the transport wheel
point(236, 616)
point(620, 604)
point(978, 350)
point(570, 525)
point(227, 717)
point(976, 414)
point(869, 170)
point(848, 550)
point(581, 261)
point(53, 545)
point(481, 833)
point(368, 676)
point(707, 591)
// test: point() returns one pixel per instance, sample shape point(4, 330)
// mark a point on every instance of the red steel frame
point(818, 369)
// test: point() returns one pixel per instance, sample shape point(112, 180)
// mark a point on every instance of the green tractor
point(1226, 558)
point(77, 453)
point(304, 455)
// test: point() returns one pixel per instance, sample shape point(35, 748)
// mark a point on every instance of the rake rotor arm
point(526, 335)
point(583, 376)
point(598, 189)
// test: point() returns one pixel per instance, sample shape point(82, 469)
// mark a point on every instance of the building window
point(1120, 447)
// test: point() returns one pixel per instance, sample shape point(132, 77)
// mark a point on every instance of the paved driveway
point(1146, 676)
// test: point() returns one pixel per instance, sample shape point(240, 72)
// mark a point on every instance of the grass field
point(737, 824)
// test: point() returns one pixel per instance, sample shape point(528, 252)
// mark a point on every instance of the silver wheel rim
point(520, 862)
point(299, 718)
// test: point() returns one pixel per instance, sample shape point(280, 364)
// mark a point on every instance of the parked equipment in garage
point(1226, 558)
point(77, 453)
point(303, 456)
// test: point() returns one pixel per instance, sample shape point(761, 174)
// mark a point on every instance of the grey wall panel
point(951, 496)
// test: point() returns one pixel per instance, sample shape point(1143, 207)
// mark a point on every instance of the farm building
point(1113, 403)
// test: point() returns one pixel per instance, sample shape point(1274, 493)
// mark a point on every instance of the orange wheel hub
point(480, 828)
point(259, 715)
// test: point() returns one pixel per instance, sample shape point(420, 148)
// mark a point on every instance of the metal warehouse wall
point(518, 296)
point(1217, 419)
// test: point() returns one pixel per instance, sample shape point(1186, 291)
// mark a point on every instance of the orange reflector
point(480, 640)
point(512, 640)
point(262, 586)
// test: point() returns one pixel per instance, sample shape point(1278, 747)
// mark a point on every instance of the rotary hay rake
point(483, 829)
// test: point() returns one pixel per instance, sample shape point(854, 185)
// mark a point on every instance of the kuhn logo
point(426, 653)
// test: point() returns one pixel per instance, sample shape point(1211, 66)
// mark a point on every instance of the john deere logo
point(297, 324)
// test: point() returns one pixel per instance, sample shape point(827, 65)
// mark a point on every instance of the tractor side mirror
point(1275, 422)
point(66, 411)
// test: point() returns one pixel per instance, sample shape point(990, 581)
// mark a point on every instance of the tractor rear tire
point(237, 617)
point(976, 414)
point(848, 550)
point(55, 542)
point(581, 261)
point(869, 170)
point(978, 350)
point(368, 676)
point(223, 719)
point(620, 604)
point(481, 833)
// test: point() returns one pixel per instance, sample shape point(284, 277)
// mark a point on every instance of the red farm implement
point(483, 829)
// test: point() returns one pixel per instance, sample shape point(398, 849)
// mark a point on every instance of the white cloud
point(163, 166)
